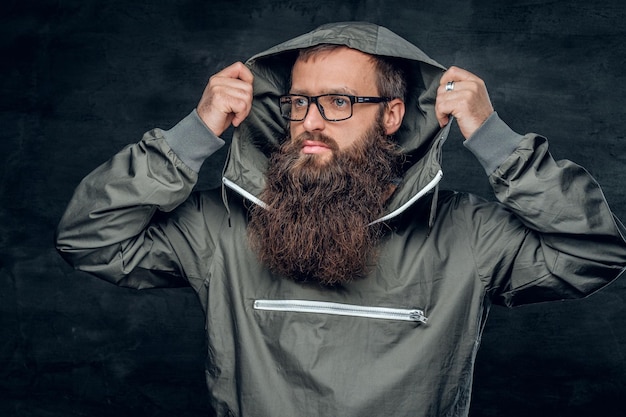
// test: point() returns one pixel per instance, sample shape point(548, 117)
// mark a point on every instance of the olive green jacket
point(401, 342)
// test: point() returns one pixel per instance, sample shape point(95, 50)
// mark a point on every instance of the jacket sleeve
point(556, 237)
point(114, 226)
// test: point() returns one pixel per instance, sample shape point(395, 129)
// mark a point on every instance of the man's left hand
point(463, 95)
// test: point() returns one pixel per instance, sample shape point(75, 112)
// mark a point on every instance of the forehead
point(337, 70)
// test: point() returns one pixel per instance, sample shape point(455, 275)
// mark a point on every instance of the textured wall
point(80, 79)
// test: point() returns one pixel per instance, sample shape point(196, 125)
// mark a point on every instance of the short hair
point(391, 79)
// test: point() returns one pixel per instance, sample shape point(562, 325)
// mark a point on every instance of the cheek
point(348, 136)
point(296, 129)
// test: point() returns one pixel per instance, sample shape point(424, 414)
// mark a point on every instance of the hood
point(419, 137)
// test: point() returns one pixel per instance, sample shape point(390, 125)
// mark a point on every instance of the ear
point(394, 113)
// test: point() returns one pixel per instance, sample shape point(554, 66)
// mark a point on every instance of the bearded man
point(336, 279)
point(323, 193)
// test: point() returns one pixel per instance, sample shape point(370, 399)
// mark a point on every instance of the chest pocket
point(340, 309)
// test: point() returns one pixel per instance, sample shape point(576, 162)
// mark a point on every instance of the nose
point(313, 120)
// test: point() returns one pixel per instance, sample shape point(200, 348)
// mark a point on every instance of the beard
point(316, 226)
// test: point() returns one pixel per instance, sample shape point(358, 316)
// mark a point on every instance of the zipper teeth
point(243, 192)
point(413, 199)
point(323, 307)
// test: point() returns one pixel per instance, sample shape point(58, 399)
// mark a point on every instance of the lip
point(314, 147)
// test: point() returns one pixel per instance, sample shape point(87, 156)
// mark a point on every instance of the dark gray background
point(80, 79)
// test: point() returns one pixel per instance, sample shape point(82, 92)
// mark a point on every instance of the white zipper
point(391, 215)
point(323, 307)
point(413, 199)
point(243, 192)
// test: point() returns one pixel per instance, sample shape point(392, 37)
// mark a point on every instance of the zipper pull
point(418, 315)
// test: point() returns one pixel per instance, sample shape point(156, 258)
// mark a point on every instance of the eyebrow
point(340, 90)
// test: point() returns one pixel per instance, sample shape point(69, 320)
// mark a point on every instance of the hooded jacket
point(400, 342)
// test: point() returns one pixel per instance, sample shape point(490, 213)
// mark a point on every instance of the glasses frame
point(315, 99)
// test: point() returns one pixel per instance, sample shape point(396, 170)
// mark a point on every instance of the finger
point(237, 70)
point(442, 111)
point(232, 88)
point(452, 88)
point(225, 104)
point(241, 108)
point(457, 74)
point(227, 98)
point(448, 95)
point(468, 102)
point(236, 80)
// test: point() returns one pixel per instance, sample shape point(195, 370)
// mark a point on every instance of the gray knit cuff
point(493, 143)
point(192, 141)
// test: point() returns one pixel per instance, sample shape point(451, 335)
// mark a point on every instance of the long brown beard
point(317, 223)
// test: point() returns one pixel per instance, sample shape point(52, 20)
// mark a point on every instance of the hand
point(227, 98)
point(468, 102)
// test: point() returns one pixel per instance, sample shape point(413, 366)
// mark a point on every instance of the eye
point(340, 102)
point(299, 102)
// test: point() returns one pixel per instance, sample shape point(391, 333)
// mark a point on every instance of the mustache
point(317, 137)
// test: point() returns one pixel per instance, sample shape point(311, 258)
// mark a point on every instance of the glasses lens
point(333, 107)
point(294, 108)
point(336, 107)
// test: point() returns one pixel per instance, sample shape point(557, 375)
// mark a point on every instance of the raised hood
point(420, 136)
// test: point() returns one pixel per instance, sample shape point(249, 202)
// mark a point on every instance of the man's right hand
point(227, 98)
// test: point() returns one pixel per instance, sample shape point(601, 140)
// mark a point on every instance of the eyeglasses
point(332, 107)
